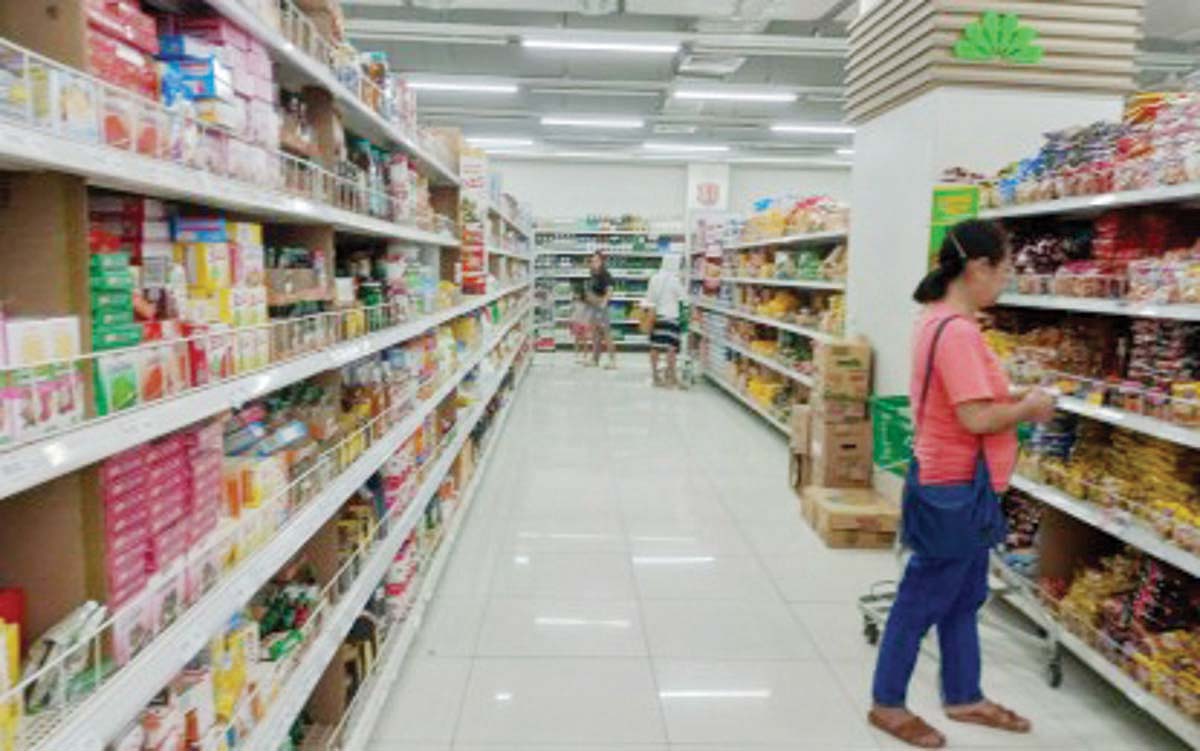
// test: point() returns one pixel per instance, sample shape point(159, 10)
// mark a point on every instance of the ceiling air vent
point(674, 129)
point(711, 66)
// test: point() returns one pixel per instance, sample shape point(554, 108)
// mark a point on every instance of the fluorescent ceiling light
point(498, 141)
point(698, 147)
point(845, 152)
point(735, 96)
point(465, 86)
point(581, 45)
point(593, 122)
point(829, 130)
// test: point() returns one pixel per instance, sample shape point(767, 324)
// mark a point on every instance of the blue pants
point(946, 592)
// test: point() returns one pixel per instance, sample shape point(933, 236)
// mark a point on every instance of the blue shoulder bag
point(949, 521)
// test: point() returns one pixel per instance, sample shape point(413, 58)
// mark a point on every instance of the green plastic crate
point(891, 418)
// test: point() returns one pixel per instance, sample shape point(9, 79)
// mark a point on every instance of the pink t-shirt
point(964, 370)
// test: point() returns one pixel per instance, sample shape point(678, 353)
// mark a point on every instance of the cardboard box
point(839, 455)
point(834, 409)
point(850, 518)
point(843, 370)
point(801, 427)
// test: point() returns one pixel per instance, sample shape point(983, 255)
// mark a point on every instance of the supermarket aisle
point(636, 576)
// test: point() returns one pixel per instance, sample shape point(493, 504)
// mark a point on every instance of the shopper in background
point(965, 449)
point(598, 291)
point(663, 296)
point(581, 326)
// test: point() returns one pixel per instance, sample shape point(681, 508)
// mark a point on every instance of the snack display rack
point(562, 256)
point(757, 285)
point(70, 130)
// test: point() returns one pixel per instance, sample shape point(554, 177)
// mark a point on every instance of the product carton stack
point(831, 447)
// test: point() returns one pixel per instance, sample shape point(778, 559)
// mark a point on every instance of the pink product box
point(200, 527)
point(129, 484)
point(177, 465)
point(258, 60)
point(168, 506)
point(132, 520)
point(135, 540)
point(122, 464)
point(164, 449)
point(264, 89)
point(244, 82)
point(169, 596)
point(214, 30)
point(140, 209)
point(207, 437)
point(125, 572)
point(166, 547)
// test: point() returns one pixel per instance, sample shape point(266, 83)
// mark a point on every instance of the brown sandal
point(992, 715)
point(913, 730)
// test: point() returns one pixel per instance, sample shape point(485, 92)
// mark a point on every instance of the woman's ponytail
point(933, 287)
point(964, 242)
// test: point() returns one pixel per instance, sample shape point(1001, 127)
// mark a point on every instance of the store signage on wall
point(708, 187)
point(951, 204)
point(1000, 37)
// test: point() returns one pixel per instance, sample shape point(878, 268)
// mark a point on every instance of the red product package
point(213, 30)
point(124, 20)
point(195, 333)
point(166, 547)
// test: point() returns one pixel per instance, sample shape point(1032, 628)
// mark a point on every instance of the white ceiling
point(795, 46)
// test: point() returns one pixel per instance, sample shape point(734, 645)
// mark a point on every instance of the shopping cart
point(892, 427)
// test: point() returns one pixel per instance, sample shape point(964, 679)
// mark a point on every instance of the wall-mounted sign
point(951, 204)
point(1001, 37)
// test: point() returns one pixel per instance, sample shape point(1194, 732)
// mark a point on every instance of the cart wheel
point(1054, 673)
point(870, 632)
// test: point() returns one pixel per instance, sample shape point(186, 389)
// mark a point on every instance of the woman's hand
point(1037, 406)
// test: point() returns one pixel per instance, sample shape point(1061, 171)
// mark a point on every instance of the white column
point(898, 158)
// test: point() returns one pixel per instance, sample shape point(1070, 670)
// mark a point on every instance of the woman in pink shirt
point(965, 450)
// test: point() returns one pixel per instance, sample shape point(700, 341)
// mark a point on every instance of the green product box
point(111, 281)
point(111, 301)
point(113, 337)
point(101, 263)
point(116, 380)
point(107, 318)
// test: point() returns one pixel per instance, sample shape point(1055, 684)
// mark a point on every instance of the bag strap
point(937, 335)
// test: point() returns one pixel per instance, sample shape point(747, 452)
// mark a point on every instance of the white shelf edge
point(268, 734)
point(395, 652)
point(101, 716)
point(756, 408)
point(793, 283)
point(1150, 426)
point(119, 169)
point(1129, 308)
point(780, 368)
point(34, 463)
point(811, 237)
point(817, 336)
point(1095, 204)
point(521, 230)
point(493, 251)
point(360, 116)
point(607, 253)
point(1132, 531)
point(1167, 715)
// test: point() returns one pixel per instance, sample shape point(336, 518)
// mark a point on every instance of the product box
point(66, 103)
point(183, 47)
point(208, 269)
point(124, 20)
point(199, 229)
point(851, 518)
point(843, 370)
point(800, 428)
point(837, 410)
point(214, 30)
point(839, 455)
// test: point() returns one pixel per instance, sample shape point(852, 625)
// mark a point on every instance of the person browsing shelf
point(663, 297)
point(598, 292)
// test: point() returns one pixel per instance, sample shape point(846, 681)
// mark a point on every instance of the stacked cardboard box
point(850, 517)
point(831, 436)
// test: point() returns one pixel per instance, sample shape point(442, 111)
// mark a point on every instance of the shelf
point(616, 274)
point(270, 732)
point(357, 116)
point(1166, 714)
point(754, 406)
point(812, 237)
point(1124, 527)
point(793, 283)
point(520, 229)
point(614, 298)
point(117, 169)
point(816, 336)
point(778, 367)
point(1150, 426)
point(607, 253)
point(1097, 204)
point(33, 463)
point(608, 233)
point(1129, 308)
point(501, 252)
point(101, 716)
point(372, 696)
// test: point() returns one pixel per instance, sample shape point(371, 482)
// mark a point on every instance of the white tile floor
point(636, 577)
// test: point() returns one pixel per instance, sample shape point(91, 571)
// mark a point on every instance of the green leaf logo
point(999, 37)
